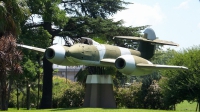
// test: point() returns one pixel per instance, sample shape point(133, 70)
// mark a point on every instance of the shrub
point(67, 93)
point(73, 96)
point(128, 97)
point(23, 98)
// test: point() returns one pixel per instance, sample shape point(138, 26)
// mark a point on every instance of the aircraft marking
point(124, 51)
point(102, 51)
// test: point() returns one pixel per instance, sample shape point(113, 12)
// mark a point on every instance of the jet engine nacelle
point(127, 64)
point(55, 54)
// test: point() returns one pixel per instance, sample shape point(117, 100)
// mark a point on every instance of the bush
point(128, 97)
point(23, 98)
point(154, 99)
point(73, 96)
point(67, 93)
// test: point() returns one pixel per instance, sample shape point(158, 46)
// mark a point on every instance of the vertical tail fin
point(146, 48)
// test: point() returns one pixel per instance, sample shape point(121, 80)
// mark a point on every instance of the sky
point(177, 20)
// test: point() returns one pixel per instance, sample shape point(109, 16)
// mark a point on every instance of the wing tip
point(183, 67)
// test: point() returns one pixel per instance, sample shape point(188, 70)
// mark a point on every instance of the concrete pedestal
point(99, 92)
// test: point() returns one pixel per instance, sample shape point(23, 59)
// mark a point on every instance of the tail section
point(146, 48)
point(147, 44)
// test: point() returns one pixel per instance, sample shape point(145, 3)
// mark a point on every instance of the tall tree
point(53, 18)
point(31, 59)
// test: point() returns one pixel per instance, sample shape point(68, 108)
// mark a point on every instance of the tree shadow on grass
point(59, 109)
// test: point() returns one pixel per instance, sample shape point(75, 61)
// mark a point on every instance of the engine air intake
point(49, 53)
point(120, 63)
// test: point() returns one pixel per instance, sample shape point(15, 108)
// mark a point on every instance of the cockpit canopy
point(89, 41)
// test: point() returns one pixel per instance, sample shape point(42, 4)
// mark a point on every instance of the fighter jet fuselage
point(91, 53)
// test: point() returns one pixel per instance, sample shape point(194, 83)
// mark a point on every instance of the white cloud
point(141, 14)
point(198, 25)
point(183, 5)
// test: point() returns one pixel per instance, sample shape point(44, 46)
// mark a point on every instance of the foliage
point(67, 93)
point(31, 59)
point(93, 9)
point(150, 91)
point(128, 97)
point(179, 85)
point(119, 79)
point(49, 11)
point(81, 76)
point(53, 18)
point(73, 96)
point(153, 99)
point(103, 28)
point(23, 98)
point(10, 67)
point(60, 85)
point(12, 12)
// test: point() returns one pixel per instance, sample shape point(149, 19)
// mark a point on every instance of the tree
point(150, 90)
point(53, 18)
point(12, 12)
point(9, 61)
point(98, 27)
point(32, 60)
point(93, 8)
point(182, 85)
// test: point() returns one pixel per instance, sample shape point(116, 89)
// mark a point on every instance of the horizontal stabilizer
point(160, 67)
point(31, 48)
point(156, 41)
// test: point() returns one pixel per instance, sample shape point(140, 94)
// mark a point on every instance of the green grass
point(89, 110)
point(182, 107)
point(185, 106)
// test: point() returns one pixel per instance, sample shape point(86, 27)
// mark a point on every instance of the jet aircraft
point(90, 53)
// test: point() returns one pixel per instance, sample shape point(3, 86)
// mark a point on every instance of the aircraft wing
point(159, 67)
point(108, 62)
point(156, 41)
point(31, 48)
point(146, 66)
point(129, 37)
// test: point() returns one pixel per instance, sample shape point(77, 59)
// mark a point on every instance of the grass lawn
point(182, 107)
point(89, 110)
point(185, 106)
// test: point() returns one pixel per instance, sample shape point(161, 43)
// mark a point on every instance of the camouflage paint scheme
point(91, 53)
point(127, 61)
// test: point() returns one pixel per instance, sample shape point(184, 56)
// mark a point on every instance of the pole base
point(99, 92)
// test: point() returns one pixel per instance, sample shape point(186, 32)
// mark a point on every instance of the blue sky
point(177, 21)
